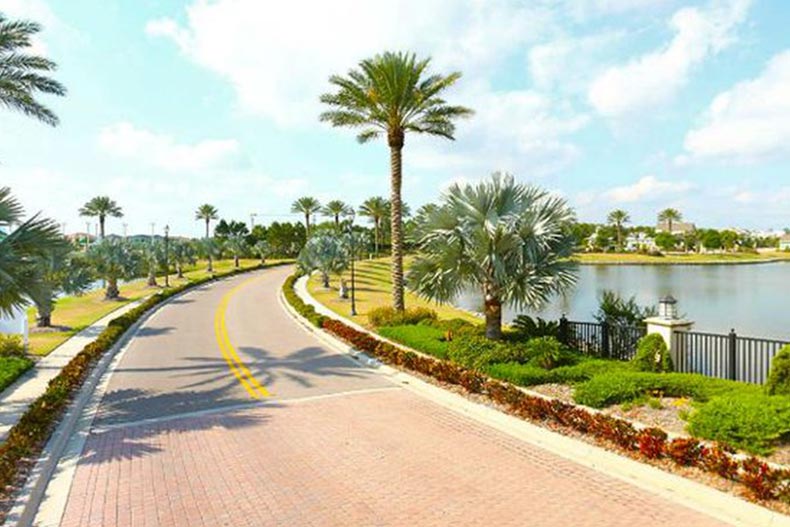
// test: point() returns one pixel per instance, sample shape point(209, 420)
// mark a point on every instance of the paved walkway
point(184, 436)
point(15, 399)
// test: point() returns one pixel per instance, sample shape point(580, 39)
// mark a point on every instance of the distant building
point(784, 242)
point(679, 228)
point(640, 241)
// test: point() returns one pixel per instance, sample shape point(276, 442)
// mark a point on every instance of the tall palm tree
point(22, 74)
point(509, 240)
point(618, 218)
point(101, 207)
point(207, 213)
point(670, 215)
point(392, 94)
point(335, 209)
point(21, 248)
point(308, 206)
point(375, 208)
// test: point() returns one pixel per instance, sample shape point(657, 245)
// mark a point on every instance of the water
point(753, 299)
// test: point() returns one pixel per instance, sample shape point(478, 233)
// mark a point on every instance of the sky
point(632, 104)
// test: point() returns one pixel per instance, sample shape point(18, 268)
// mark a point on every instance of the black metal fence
point(730, 356)
point(612, 341)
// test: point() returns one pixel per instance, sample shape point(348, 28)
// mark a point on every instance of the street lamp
point(353, 257)
point(167, 255)
point(253, 215)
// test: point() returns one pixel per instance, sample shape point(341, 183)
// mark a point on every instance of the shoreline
point(669, 261)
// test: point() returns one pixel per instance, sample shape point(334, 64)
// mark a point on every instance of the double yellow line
point(236, 365)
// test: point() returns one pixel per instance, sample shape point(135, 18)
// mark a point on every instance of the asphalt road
point(225, 411)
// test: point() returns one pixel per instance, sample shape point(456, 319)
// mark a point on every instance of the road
point(225, 411)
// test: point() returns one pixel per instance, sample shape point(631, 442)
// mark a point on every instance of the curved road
point(225, 411)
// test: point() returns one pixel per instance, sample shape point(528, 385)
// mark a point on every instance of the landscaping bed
point(491, 371)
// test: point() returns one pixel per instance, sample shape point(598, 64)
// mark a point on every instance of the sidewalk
point(27, 388)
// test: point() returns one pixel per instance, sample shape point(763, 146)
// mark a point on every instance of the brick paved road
point(335, 445)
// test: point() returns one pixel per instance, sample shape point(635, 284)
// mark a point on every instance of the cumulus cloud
point(567, 63)
point(161, 150)
point(656, 77)
point(648, 188)
point(750, 121)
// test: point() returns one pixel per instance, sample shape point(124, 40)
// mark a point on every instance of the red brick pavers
point(386, 457)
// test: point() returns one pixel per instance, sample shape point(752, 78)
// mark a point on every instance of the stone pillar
point(667, 328)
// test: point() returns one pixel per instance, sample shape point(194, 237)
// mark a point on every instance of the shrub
point(304, 309)
point(754, 423)
point(652, 354)
point(526, 327)
point(425, 338)
point(476, 352)
point(531, 375)
point(388, 316)
point(779, 376)
point(11, 346)
point(547, 352)
point(11, 368)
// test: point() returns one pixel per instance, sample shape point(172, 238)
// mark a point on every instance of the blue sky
point(634, 104)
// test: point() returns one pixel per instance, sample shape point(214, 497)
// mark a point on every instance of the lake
point(753, 299)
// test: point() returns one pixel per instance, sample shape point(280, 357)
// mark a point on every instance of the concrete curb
point(686, 492)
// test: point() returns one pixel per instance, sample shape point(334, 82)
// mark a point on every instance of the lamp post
point(667, 308)
point(353, 257)
point(253, 215)
point(167, 255)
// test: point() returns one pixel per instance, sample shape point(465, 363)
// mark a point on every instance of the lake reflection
point(753, 299)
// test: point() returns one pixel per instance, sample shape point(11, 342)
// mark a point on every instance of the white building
point(784, 242)
point(15, 324)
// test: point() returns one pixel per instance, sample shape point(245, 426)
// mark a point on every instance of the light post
point(167, 255)
point(87, 235)
point(253, 215)
point(353, 257)
point(667, 308)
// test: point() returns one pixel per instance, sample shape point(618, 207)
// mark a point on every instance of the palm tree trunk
point(44, 310)
point(619, 238)
point(210, 267)
point(207, 222)
point(236, 261)
point(179, 270)
point(306, 226)
point(112, 289)
point(101, 226)
point(152, 278)
point(493, 314)
point(325, 279)
point(396, 150)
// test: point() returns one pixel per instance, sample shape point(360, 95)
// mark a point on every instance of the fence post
point(732, 349)
point(563, 330)
point(605, 347)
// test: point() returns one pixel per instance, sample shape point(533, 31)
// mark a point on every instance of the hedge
point(762, 481)
point(306, 310)
point(29, 435)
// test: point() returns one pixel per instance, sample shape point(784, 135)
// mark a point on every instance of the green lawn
point(75, 313)
point(674, 259)
point(373, 289)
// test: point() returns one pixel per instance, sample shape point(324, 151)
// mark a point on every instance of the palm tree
point(207, 213)
point(375, 208)
point(114, 260)
point(324, 253)
point(335, 209)
point(262, 249)
point(507, 239)
point(182, 253)
point(153, 254)
point(308, 206)
point(22, 74)
point(60, 272)
point(618, 218)
point(392, 94)
point(209, 249)
point(101, 207)
point(237, 245)
point(21, 249)
point(670, 215)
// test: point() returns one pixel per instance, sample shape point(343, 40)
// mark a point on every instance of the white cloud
point(749, 122)
point(160, 150)
point(568, 63)
point(655, 78)
point(278, 60)
point(648, 188)
point(37, 11)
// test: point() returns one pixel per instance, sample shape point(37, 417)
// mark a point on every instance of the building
point(15, 323)
point(679, 228)
point(784, 242)
point(640, 241)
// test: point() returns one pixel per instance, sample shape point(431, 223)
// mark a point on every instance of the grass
point(675, 259)
point(423, 338)
point(74, 313)
point(11, 368)
point(373, 289)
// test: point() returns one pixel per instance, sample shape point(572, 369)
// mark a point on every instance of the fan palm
point(375, 208)
point(20, 250)
point(669, 216)
point(101, 207)
point(22, 74)
point(392, 94)
point(207, 213)
point(335, 209)
point(153, 253)
point(114, 260)
point(237, 245)
point(618, 218)
point(324, 253)
point(262, 249)
point(209, 249)
point(60, 272)
point(307, 206)
point(507, 239)
point(182, 253)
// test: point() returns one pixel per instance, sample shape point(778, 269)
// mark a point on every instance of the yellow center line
point(236, 365)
